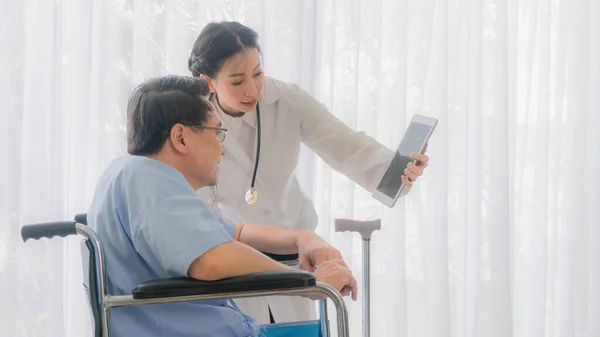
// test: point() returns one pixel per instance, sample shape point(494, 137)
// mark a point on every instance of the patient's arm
point(245, 257)
point(237, 258)
point(232, 259)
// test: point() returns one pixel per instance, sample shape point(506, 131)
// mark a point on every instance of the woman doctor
point(267, 120)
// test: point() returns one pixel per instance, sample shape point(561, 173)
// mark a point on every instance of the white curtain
point(500, 237)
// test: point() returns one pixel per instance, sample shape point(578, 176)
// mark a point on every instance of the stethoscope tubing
point(256, 160)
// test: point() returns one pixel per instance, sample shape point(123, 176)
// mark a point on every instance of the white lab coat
point(289, 117)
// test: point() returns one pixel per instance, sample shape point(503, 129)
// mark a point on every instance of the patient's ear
point(178, 138)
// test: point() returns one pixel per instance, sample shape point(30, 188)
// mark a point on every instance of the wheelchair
point(183, 289)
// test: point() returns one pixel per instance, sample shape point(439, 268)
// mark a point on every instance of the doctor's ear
point(209, 82)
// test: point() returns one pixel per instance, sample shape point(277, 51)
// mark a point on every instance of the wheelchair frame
point(184, 289)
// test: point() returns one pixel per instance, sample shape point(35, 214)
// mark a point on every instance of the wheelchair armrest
point(183, 286)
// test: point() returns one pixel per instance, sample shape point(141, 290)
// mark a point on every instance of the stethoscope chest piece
point(251, 196)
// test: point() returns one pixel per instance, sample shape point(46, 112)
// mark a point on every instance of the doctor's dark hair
point(217, 42)
point(159, 103)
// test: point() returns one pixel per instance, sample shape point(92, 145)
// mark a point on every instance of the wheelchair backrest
point(90, 278)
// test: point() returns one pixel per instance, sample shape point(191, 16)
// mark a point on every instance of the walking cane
point(365, 229)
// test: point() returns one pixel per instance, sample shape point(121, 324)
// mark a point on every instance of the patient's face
point(206, 153)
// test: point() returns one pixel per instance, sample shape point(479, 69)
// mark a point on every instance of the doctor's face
point(239, 82)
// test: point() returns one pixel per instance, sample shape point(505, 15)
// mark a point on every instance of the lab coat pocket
point(298, 210)
point(307, 217)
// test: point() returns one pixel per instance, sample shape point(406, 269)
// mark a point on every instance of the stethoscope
point(251, 196)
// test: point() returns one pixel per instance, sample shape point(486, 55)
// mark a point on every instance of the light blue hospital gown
point(153, 226)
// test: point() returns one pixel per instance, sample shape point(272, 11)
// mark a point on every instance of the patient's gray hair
point(157, 104)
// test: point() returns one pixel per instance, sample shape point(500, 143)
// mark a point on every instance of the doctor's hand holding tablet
point(266, 121)
point(408, 159)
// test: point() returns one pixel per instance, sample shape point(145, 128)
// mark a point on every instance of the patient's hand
point(313, 250)
point(338, 275)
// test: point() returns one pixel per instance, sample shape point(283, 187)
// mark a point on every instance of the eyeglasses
point(221, 132)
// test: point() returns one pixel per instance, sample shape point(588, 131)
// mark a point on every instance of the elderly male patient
point(153, 225)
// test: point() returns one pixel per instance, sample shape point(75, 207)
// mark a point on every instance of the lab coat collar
point(269, 96)
point(250, 118)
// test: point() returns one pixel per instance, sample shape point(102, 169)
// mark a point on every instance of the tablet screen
point(412, 142)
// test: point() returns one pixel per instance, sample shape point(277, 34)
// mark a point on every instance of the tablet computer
point(415, 138)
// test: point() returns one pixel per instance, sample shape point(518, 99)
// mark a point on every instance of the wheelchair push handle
point(48, 230)
point(364, 228)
